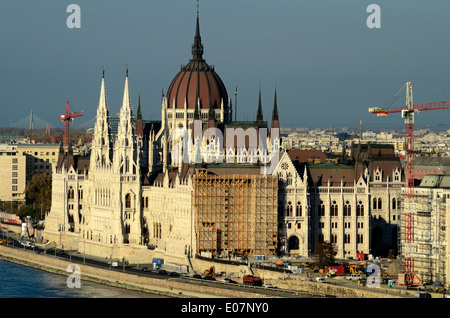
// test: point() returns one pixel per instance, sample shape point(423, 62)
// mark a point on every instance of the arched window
point(334, 209)
point(299, 209)
point(380, 204)
point(347, 209)
point(334, 238)
point(289, 209)
point(360, 239)
point(128, 201)
point(289, 178)
point(394, 203)
point(375, 203)
point(322, 209)
point(347, 238)
point(71, 193)
point(360, 209)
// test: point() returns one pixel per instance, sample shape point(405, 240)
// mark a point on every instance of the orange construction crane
point(67, 118)
point(407, 113)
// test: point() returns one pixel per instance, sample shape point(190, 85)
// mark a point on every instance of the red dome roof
point(197, 80)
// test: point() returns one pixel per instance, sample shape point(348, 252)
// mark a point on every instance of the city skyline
point(328, 67)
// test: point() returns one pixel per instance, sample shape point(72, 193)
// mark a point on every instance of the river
point(18, 281)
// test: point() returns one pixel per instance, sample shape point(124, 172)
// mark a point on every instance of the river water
point(17, 281)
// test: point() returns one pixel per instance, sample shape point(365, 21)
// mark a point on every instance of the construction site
point(235, 215)
point(422, 236)
point(429, 209)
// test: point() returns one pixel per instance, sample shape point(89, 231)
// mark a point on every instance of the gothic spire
point(259, 113)
point(197, 47)
point(139, 113)
point(126, 103)
point(102, 103)
point(275, 121)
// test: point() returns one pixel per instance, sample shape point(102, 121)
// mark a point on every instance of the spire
point(275, 121)
point(275, 107)
point(259, 114)
point(139, 113)
point(101, 151)
point(102, 103)
point(126, 103)
point(197, 47)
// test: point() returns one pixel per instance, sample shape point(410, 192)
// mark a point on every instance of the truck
point(252, 280)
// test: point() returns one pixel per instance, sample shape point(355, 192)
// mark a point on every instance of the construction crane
point(407, 112)
point(67, 118)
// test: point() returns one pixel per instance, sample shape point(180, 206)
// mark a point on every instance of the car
point(174, 274)
point(268, 286)
point(208, 277)
point(353, 277)
point(145, 269)
point(162, 272)
point(197, 276)
point(320, 279)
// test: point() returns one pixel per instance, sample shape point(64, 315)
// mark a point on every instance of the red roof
point(197, 79)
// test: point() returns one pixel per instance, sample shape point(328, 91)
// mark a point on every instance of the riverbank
point(165, 287)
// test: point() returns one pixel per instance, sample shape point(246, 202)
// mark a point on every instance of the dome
point(197, 79)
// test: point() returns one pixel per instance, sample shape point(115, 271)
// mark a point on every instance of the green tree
point(39, 195)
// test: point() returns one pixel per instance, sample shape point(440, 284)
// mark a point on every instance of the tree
point(38, 195)
point(325, 253)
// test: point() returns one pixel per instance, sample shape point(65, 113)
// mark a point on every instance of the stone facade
point(352, 205)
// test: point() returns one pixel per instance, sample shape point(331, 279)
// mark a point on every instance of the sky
point(327, 65)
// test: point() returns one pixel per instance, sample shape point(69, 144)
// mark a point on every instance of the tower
point(125, 150)
point(259, 113)
point(101, 153)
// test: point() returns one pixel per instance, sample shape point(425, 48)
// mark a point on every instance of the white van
point(353, 277)
point(320, 279)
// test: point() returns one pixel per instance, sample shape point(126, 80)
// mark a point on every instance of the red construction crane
point(408, 114)
point(67, 118)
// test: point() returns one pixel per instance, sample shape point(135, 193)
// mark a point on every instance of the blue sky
point(327, 65)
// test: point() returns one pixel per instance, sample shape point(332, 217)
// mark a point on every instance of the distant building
point(41, 158)
point(13, 173)
point(431, 165)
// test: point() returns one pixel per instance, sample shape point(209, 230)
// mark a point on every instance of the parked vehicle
point(353, 277)
point(268, 286)
point(252, 280)
point(320, 280)
point(422, 295)
point(113, 263)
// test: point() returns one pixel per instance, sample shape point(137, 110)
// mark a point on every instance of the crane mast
point(410, 278)
point(408, 115)
point(67, 118)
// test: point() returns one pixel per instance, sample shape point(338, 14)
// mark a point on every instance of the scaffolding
point(235, 214)
point(429, 248)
